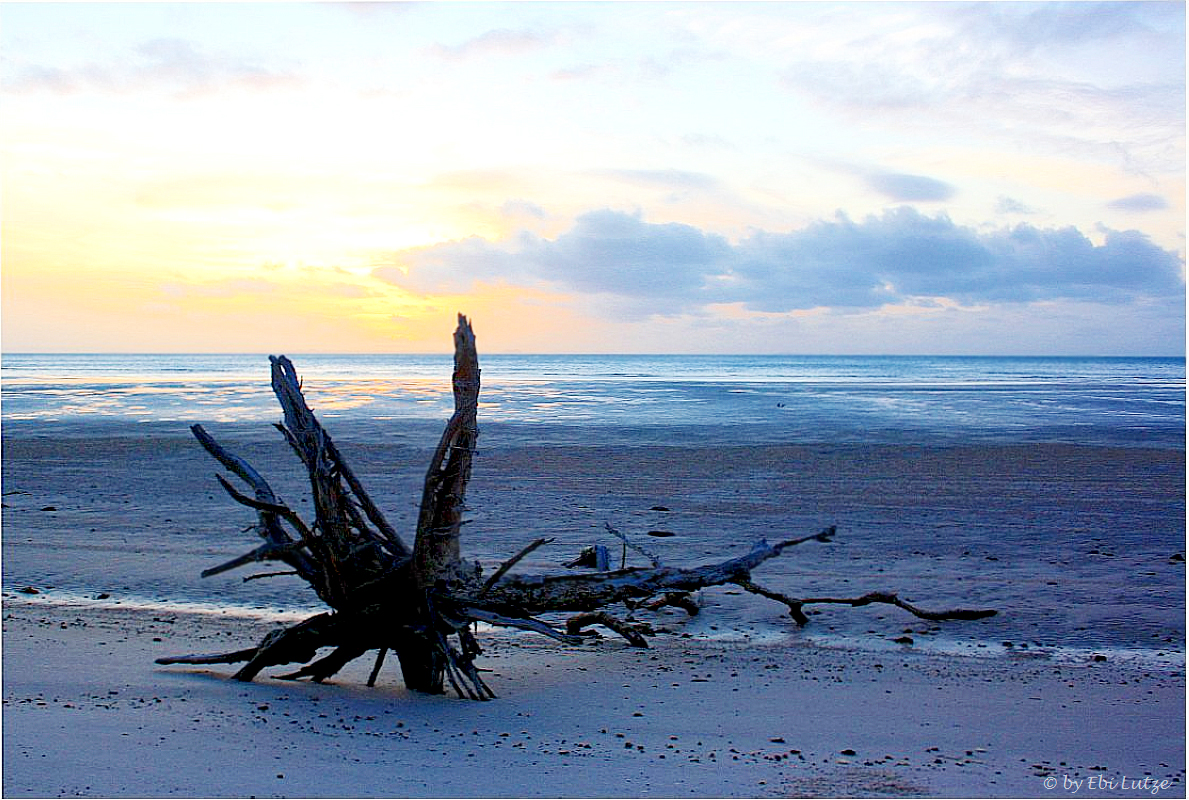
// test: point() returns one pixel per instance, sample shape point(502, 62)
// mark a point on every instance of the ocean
point(1050, 488)
point(1134, 402)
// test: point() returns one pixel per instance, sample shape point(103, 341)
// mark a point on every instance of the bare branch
point(628, 631)
point(589, 592)
point(369, 507)
point(525, 623)
point(681, 600)
point(260, 575)
point(436, 550)
point(889, 598)
point(892, 599)
point(794, 605)
point(215, 658)
point(656, 562)
point(511, 562)
point(279, 509)
point(265, 552)
point(323, 668)
point(235, 464)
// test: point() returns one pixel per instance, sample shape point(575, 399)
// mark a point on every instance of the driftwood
point(422, 601)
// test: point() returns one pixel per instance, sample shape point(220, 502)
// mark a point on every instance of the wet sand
point(1072, 544)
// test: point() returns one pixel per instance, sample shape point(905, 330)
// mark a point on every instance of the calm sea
point(1117, 401)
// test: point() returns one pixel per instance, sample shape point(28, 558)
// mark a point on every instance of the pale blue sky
point(687, 177)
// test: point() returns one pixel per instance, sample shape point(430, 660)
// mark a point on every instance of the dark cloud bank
point(900, 256)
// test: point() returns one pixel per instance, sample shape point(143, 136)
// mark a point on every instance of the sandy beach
point(87, 714)
point(1074, 545)
point(593, 399)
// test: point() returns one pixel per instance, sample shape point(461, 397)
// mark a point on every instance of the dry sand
point(87, 713)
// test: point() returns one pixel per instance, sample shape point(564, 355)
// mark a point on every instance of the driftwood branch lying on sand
point(421, 602)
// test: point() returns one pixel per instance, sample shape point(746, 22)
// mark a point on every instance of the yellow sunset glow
point(174, 179)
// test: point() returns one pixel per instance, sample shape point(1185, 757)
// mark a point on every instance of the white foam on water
point(137, 603)
point(1168, 659)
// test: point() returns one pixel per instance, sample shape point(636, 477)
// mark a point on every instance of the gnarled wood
point(437, 553)
point(422, 602)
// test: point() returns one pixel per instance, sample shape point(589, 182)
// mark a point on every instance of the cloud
point(1139, 202)
point(656, 66)
point(450, 267)
point(675, 60)
point(1031, 74)
point(179, 63)
point(34, 78)
point(901, 256)
point(672, 179)
point(520, 209)
point(910, 188)
point(175, 65)
point(605, 252)
point(582, 72)
point(1010, 205)
point(904, 254)
point(615, 253)
point(499, 42)
point(1044, 26)
point(371, 10)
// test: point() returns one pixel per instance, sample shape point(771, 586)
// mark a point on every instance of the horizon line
point(448, 353)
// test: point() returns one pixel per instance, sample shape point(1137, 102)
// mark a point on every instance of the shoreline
point(1074, 544)
point(784, 633)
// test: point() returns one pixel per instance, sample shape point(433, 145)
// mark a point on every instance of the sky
point(670, 177)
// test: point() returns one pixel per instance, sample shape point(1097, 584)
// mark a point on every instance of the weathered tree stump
point(421, 602)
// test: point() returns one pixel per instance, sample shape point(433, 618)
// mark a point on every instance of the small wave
point(1136, 658)
point(154, 605)
point(1167, 659)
